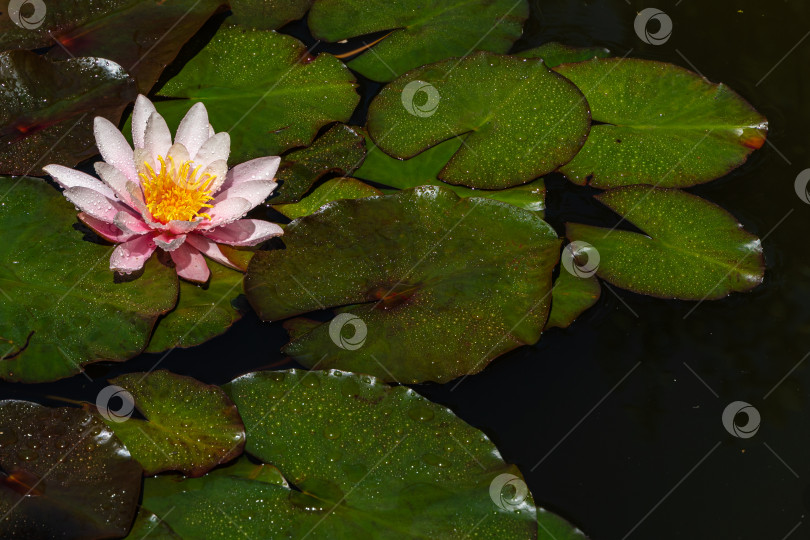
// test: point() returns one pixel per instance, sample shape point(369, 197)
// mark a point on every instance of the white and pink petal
point(263, 168)
point(245, 232)
point(107, 231)
point(68, 178)
point(114, 148)
point(140, 116)
point(190, 264)
point(193, 129)
point(210, 250)
point(132, 255)
point(255, 192)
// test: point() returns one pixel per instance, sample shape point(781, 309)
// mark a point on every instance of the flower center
point(175, 193)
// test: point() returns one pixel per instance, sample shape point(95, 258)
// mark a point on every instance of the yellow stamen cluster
point(176, 192)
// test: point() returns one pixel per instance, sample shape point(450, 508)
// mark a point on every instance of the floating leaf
point(190, 426)
point(423, 170)
point(264, 89)
point(370, 461)
point(63, 474)
point(267, 14)
point(554, 54)
point(572, 295)
point(446, 284)
point(553, 527)
point(341, 149)
point(61, 306)
point(47, 108)
point(520, 119)
point(202, 311)
point(691, 249)
point(662, 125)
point(331, 190)
point(421, 32)
point(143, 37)
point(149, 525)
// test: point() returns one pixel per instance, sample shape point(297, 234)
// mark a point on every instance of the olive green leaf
point(331, 190)
point(423, 170)
point(267, 14)
point(63, 474)
point(60, 304)
point(572, 295)
point(341, 149)
point(149, 525)
point(264, 88)
point(190, 426)
point(420, 32)
point(445, 284)
point(660, 124)
point(554, 53)
point(690, 248)
point(47, 108)
point(519, 119)
point(552, 527)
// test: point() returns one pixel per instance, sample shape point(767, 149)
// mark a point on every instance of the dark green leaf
point(446, 284)
point(47, 108)
point(553, 527)
point(267, 14)
point(691, 249)
point(571, 296)
point(149, 525)
point(520, 119)
point(264, 88)
point(421, 32)
point(663, 125)
point(331, 190)
point(190, 426)
point(554, 54)
point(63, 474)
point(341, 149)
point(423, 170)
point(61, 306)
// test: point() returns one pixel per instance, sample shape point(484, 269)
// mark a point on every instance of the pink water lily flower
point(179, 197)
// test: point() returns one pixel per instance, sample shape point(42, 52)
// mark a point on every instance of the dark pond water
point(616, 421)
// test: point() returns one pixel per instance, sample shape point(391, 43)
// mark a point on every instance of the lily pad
point(331, 190)
point(691, 249)
point(369, 461)
point(661, 125)
point(148, 524)
point(520, 120)
point(61, 306)
point(267, 14)
point(63, 474)
point(423, 170)
point(47, 108)
point(341, 149)
point(143, 37)
point(552, 527)
point(421, 32)
point(190, 426)
point(264, 88)
point(202, 311)
point(554, 53)
point(445, 284)
point(572, 295)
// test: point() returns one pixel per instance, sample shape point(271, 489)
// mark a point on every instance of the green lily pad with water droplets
point(554, 53)
point(572, 295)
point(444, 284)
point(420, 32)
point(267, 14)
point(61, 306)
point(366, 461)
point(331, 190)
point(660, 124)
point(63, 474)
point(190, 426)
point(690, 249)
point(519, 119)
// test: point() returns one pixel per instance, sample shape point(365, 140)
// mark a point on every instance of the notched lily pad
point(572, 295)
point(420, 32)
point(264, 88)
point(63, 473)
point(47, 108)
point(660, 124)
point(331, 190)
point(190, 426)
point(519, 120)
point(691, 249)
point(340, 150)
point(444, 284)
point(61, 306)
